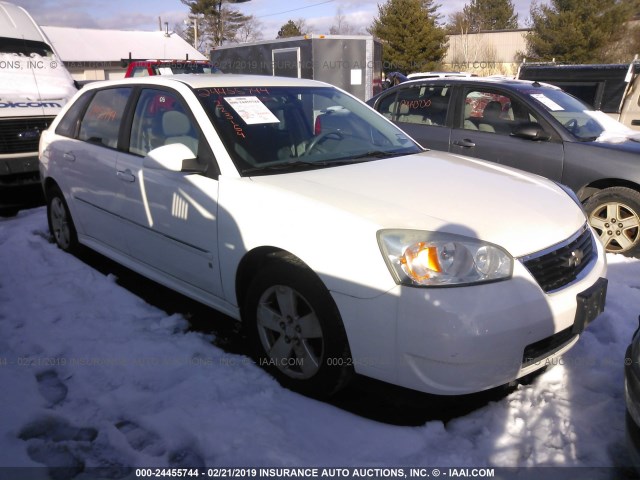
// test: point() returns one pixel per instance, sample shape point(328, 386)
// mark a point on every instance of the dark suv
point(535, 127)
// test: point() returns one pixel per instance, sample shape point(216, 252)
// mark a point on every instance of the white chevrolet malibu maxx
point(340, 243)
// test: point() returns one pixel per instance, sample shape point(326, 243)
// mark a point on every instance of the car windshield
point(577, 117)
point(267, 129)
point(24, 48)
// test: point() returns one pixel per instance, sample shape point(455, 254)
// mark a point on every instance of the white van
point(34, 86)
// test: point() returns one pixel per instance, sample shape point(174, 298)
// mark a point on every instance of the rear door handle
point(466, 143)
point(69, 156)
point(126, 176)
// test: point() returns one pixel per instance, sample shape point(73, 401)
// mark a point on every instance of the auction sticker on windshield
point(547, 102)
point(251, 110)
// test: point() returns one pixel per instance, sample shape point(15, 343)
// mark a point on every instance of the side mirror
point(175, 157)
point(531, 131)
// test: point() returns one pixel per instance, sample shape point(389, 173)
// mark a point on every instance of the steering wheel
point(322, 137)
point(572, 126)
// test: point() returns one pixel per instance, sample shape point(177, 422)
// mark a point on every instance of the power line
point(296, 9)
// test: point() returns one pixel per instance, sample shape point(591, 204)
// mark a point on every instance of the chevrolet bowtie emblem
point(575, 259)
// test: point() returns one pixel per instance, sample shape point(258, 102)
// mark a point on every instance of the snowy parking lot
point(93, 376)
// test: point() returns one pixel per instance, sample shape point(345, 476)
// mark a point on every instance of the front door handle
point(126, 175)
point(466, 143)
point(69, 156)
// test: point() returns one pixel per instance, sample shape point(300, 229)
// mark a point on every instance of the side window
point(101, 121)
point(387, 106)
point(69, 123)
point(424, 104)
point(494, 112)
point(160, 119)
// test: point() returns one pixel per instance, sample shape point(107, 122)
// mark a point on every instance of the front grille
point(556, 268)
point(21, 135)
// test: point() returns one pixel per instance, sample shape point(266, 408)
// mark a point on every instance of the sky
point(143, 14)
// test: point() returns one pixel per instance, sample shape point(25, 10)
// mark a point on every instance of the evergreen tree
point(216, 22)
point(491, 15)
point(412, 39)
point(577, 31)
point(292, 29)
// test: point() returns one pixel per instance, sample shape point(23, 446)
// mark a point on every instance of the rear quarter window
point(68, 126)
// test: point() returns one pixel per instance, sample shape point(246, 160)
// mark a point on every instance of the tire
point(295, 330)
point(614, 213)
point(60, 222)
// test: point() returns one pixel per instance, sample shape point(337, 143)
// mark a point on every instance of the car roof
point(211, 80)
point(440, 74)
point(485, 81)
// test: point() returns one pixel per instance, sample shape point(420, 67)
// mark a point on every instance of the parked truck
point(614, 89)
point(34, 86)
point(350, 62)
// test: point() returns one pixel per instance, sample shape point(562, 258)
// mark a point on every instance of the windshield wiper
point(377, 154)
point(294, 163)
point(291, 165)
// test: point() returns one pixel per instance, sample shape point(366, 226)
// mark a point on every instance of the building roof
point(94, 45)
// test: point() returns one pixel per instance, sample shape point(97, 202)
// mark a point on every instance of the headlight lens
point(430, 259)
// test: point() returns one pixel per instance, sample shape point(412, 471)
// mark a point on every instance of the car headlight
point(432, 259)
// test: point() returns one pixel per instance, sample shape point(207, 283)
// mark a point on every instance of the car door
point(89, 164)
point(485, 125)
point(420, 110)
point(172, 215)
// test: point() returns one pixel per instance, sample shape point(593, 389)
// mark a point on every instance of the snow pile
point(92, 376)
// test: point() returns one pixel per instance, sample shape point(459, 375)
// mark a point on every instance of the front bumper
point(19, 168)
point(20, 181)
point(460, 340)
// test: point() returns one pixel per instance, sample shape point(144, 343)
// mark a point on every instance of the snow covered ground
point(93, 376)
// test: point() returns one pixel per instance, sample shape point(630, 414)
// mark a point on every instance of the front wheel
point(614, 213)
point(295, 329)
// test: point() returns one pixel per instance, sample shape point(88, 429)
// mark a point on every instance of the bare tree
point(341, 26)
point(250, 31)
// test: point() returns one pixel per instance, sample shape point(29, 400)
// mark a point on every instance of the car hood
point(626, 143)
point(437, 191)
